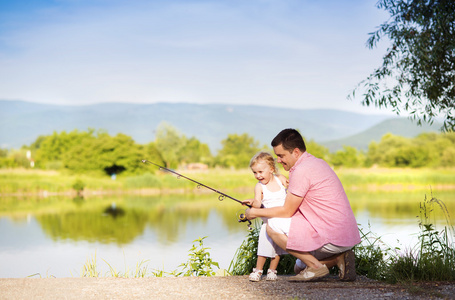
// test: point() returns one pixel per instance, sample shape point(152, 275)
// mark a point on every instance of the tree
point(317, 150)
point(105, 154)
point(237, 150)
point(194, 151)
point(169, 142)
point(50, 149)
point(348, 157)
point(418, 70)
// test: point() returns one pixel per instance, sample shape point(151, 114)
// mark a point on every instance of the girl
point(270, 191)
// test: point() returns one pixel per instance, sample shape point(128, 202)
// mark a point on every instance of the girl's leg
point(271, 273)
point(257, 272)
point(260, 262)
point(274, 262)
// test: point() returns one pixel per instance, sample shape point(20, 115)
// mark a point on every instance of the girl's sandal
point(256, 275)
point(271, 275)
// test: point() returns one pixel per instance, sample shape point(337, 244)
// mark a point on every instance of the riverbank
point(229, 287)
point(39, 183)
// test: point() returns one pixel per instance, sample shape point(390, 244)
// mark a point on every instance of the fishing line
point(241, 217)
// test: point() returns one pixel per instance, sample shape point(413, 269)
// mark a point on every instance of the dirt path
point(231, 287)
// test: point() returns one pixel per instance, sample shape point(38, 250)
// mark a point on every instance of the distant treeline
point(98, 152)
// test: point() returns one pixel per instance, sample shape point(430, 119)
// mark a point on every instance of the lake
point(57, 236)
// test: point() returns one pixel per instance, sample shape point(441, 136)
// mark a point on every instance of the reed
point(245, 257)
point(36, 181)
point(90, 268)
point(433, 258)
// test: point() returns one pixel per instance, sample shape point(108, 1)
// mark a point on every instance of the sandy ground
point(230, 287)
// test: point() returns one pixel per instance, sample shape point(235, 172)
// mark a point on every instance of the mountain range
point(22, 122)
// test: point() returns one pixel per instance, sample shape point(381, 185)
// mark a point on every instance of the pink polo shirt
point(325, 215)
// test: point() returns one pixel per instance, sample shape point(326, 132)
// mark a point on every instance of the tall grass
point(199, 263)
point(34, 181)
point(245, 257)
point(432, 259)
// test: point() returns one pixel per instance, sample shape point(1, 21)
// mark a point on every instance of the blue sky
point(302, 54)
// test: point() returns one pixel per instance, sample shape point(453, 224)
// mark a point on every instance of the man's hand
point(249, 213)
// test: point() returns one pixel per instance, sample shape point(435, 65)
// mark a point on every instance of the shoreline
point(228, 287)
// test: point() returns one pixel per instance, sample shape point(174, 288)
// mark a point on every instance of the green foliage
point(169, 142)
point(348, 157)
point(245, 257)
point(14, 159)
point(317, 150)
point(370, 257)
point(110, 155)
point(98, 153)
point(176, 149)
point(146, 180)
point(433, 258)
point(237, 151)
point(425, 150)
point(78, 185)
point(417, 70)
point(50, 149)
point(195, 151)
point(92, 152)
point(90, 268)
point(199, 262)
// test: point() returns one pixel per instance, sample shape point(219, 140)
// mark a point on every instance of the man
point(323, 228)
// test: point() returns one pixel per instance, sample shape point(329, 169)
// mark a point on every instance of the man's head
point(288, 146)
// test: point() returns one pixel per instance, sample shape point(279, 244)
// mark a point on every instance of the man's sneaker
point(311, 274)
point(299, 266)
point(271, 275)
point(346, 264)
point(256, 275)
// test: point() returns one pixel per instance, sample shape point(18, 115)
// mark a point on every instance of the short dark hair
point(289, 139)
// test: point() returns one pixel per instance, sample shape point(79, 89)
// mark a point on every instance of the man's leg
point(281, 240)
point(278, 238)
point(314, 271)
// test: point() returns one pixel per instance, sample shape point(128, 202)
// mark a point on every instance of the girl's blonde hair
point(267, 158)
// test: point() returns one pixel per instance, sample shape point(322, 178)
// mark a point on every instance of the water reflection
point(61, 233)
point(120, 220)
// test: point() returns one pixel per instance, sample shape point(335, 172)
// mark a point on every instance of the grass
point(396, 178)
point(245, 257)
point(199, 263)
point(35, 181)
point(431, 259)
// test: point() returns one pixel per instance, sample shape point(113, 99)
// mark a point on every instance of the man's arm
point(291, 204)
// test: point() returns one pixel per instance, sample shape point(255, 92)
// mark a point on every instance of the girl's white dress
point(266, 247)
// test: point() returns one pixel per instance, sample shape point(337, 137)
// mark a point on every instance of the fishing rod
point(241, 217)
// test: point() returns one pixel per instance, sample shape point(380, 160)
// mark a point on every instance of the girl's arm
point(257, 201)
point(257, 195)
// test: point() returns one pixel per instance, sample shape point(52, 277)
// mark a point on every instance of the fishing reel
point(242, 218)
